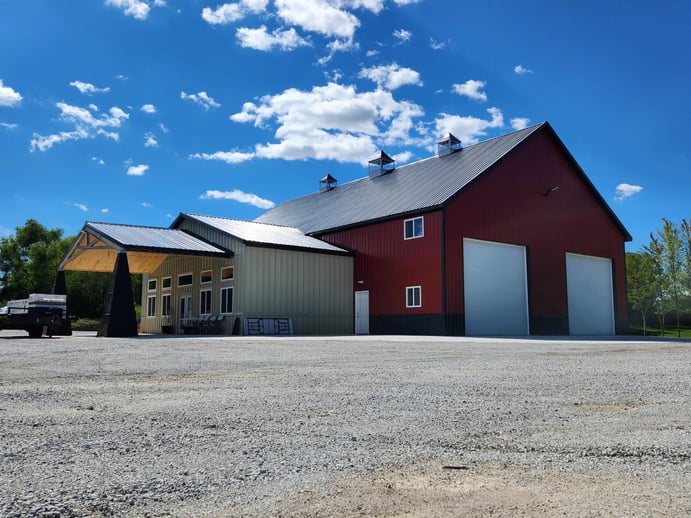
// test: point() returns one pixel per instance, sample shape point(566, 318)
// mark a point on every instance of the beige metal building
point(215, 275)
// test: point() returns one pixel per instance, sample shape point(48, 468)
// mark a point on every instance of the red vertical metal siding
point(387, 263)
point(507, 204)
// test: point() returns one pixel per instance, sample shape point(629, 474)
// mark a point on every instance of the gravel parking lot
point(343, 426)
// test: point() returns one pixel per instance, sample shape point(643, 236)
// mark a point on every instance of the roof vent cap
point(327, 183)
point(381, 164)
point(448, 144)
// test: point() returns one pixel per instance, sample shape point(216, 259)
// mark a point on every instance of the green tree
point(655, 249)
point(29, 260)
point(641, 283)
point(685, 229)
point(673, 262)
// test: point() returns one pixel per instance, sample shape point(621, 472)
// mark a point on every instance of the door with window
point(185, 309)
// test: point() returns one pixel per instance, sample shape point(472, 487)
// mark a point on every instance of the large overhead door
point(495, 288)
point(590, 295)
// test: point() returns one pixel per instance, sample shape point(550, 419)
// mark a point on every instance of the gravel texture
point(343, 426)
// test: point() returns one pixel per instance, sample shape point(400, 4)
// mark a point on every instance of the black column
point(60, 286)
point(119, 318)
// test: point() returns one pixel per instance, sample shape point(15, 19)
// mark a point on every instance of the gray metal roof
point(417, 186)
point(263, 234)
point(153, 239)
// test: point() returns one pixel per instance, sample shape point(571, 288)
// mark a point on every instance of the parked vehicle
point(40, 314)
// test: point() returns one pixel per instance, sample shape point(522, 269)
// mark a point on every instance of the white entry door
point(590, 295)
point(495, 288)
point(362, 312)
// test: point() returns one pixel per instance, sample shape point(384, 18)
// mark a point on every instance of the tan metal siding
point(315, 290)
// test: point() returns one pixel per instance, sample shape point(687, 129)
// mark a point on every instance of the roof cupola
point(327, 183)
point(448, 144)
point(381, 164)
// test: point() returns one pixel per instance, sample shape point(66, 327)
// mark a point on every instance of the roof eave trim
point(296, 248)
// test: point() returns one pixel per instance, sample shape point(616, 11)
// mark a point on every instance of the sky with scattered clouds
point(131, 111)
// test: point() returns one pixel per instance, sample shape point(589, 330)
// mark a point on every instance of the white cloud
point(164, 128)
point(9, 96)
point(229, 157)
point(99, 161)
point(146, 205)
point(260, 39)
point(468, 129)
point(405, 2)
point(519, 123)
point(137, 170)
point(105, 211)
point(625, 190)
point(81, 207)
point(330, 122)
point(237, 195)
point(391, 76)
point(135, 8)
point(229, 13)
point(82, 116)
point(8, 125)
point(88, 88)
point(148, 108)
point(318, 16)
point(436, 45)
point(521, 70)
point(201, 98)
point(223, 14)
point(109, 134)
point(471, 89)
point(150, 140)
point(402, 35)
point(43, 143)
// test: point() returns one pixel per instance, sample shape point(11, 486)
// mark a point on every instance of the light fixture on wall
point(361, 282)
point(551, 190)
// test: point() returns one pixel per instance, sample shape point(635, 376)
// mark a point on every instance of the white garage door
point(590, 295)
point(496, 293)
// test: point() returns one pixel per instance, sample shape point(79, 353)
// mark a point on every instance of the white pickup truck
point(40, 314)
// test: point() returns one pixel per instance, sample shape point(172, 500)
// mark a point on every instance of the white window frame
point(232, 273)
point(202, 303)
point(410, 290)
point(151, 306)
point(185, 275)
point(413, 235)
point(223, 300)
point(167, 313)
point(210, 275)
point(163, 283)
point(151, 282)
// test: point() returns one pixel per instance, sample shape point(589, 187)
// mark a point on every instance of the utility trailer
point(40, 314)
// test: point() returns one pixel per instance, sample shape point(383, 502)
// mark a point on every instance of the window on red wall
point(413, 297)
point(413, 228)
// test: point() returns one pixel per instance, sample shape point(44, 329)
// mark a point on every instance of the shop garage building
point(503, 237)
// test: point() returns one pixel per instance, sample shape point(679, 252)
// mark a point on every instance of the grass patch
point(670, 331)
point(86, 324)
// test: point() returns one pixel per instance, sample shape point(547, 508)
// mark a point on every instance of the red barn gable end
point(521, 195)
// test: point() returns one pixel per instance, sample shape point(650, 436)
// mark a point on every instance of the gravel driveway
point(344, 426)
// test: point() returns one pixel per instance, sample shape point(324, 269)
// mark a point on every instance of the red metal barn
point(503, 237)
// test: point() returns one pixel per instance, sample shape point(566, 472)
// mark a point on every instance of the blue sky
point(132, 111)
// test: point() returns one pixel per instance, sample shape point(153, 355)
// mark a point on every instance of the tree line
point(658, 276)
point(28, 264)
